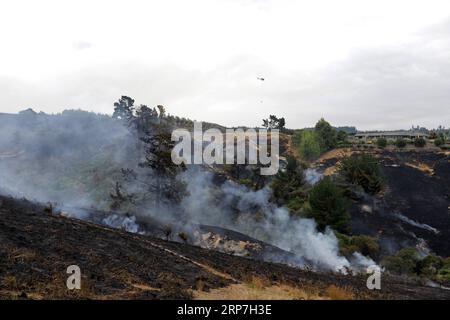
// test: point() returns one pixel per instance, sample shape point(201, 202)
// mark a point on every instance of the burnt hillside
point(414, 207)
point(36, 247)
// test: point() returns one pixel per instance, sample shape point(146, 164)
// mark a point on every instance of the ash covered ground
point(36, 247)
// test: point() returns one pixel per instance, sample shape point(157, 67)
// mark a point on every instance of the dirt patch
point(330, 160)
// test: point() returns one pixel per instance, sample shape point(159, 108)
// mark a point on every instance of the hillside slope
point(36, 247)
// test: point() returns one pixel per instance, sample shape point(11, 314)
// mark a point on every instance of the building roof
point(392, 133)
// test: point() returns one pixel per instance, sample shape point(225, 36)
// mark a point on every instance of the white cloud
point(340, 59)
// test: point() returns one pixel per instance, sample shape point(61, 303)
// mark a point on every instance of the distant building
point(403, 134)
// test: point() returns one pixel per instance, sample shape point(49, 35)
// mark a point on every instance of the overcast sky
point(373, 64)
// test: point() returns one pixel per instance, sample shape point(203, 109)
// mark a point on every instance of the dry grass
point(258, 283)
point(335, 153)
point(261, 289)
point(332, 154)
point(337, 293)
point(421, 166)
point(245, 292)
point(257, 288)
point(10, 282)
point(21, 254)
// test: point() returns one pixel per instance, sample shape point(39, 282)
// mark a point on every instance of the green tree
point(381, 142)
point(367, 246)
point(308, 145)
point(327, 135)
point(420, 142)
point(124, 108)
point(288, 185)
point(274, 122)
point(400, 143)
point(341, 137)
point(404, 262)
point(440, 140)
point(156, 178)
point(328, 206)
point(363, 170)
point(163, 182)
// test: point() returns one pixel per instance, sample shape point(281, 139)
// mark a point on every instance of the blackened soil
point(421, 197)
point(414, 206)
point(36, 247)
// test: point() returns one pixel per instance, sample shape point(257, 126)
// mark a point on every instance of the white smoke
point(312, 176)
point(125, 223)
point(74, 159)
point(415, 223)
point(259, 218)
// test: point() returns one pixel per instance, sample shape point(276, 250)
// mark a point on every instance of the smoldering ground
point(75, 158)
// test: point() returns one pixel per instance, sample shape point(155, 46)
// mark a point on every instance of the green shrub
point(398, 266)
point(328, 136)
point(430, 265)
point(443, 273)
point(308, 144)
point(439, 142)
point(341, 138)
point(288, 185)
point(328, 206)
point(420, 142)
point(409, 254)
point(247, 182)
point(404, 262)
point(367, 246)
point(408, 262)
point(381, 143)
point(400, 143)
point(362, 170)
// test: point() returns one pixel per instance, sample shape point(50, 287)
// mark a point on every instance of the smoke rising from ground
point(74, 159)
point(312, 176)
point(264, 221)
point(69, 158)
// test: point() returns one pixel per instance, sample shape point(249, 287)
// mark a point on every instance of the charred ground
point(36, 247)
point(415, 204)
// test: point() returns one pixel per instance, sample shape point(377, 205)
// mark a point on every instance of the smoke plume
point(74, 159)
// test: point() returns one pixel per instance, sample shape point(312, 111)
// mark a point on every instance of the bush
point(400, 143)
point(363, 244)
point(362, 170)
point(444, 272)
point(288, 185)
point(420, 142)
point(404, 262)
point(342, 138)
point(327, 135)
point(308, 144)
point(247, 182)
point(328, 206)
point(408, 262)
point(430, 265)
point(382, 142)
point(397, 265)
point(439, 142)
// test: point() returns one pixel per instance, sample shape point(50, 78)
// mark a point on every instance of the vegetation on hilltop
point(311, 143)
